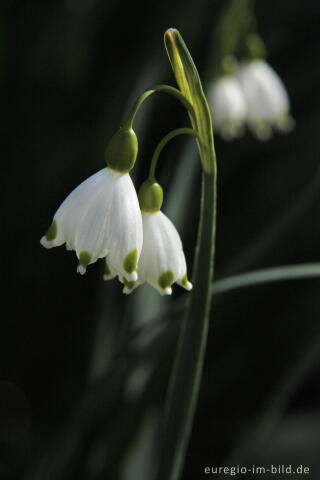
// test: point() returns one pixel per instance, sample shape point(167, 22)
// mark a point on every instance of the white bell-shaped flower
point(227, 101)
point(162, 261)
point(101, 217)
point(229, 106)
point(267, 99)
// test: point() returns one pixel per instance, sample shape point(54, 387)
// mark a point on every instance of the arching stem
point(158, 88)
point(162, 144)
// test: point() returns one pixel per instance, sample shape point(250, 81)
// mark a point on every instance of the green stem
point(163, 143)
point(158, 88)
point(186, 375)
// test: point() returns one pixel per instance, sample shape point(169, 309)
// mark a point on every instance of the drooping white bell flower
point(229, 106)
point(162, 261)
point(101, 217)
point(227, 101)
point(267, 99)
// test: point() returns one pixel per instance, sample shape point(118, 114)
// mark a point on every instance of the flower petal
point(229, 106)
point(125, 228)
point(101, 217)
point(265, 93)
point(70, 211)
point(91, 234)
point(162, 260)
point(184, 282)
point(109, 271)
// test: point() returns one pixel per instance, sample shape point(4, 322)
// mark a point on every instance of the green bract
point(188, 79)
point(121, 152)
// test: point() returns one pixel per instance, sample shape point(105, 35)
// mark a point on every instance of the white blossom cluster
point(253, 95)
point(101, 218)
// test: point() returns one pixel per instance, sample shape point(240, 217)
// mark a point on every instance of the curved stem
point(158, 88)
point(163, 143)
point(136, 107)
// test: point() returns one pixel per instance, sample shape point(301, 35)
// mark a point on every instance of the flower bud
point(254, 47)
point(121, 152)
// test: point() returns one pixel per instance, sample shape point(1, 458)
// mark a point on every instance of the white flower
point(266, 97)
point(229, 106)
point(162, 261)
point(101, 218)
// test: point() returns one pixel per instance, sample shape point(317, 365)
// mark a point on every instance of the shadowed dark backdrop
point(71, 70)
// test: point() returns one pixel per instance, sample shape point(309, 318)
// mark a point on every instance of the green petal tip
point(84, 260)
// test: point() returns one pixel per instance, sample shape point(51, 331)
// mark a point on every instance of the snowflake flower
point(101, 217)
point(162, 261)
point(267, 99)
point(229, 106)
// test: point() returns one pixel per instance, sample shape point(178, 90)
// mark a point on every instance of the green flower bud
point(228, 65)
point(254, 47)
point(150, 196)
point(121, 152)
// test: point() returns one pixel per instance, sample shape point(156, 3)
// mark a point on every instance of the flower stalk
point(163, 143)
point(158, 88)
point(186, 375)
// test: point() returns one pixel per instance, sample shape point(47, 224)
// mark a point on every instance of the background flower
point(228, 105)
point(266, 97)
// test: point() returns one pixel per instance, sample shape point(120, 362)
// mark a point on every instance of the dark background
point(71, 406)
